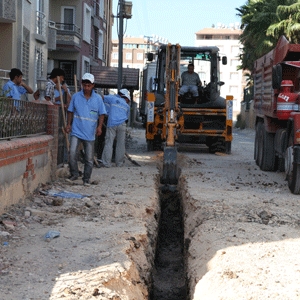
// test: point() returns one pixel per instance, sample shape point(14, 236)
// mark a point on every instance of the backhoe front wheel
point(154, 145)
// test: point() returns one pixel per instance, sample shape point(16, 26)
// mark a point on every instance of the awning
point(107, 77)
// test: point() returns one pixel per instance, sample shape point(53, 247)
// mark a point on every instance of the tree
point(289, 23)
point(263, 22)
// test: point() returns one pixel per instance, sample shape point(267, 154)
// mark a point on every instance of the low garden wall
point(27, 162)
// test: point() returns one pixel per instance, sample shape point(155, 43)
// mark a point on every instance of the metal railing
point(68, 27)
point(41, 23)
point(20, 118)
point(4, 74)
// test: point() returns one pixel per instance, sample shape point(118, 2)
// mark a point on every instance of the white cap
point(89, 77)
point(125, 93)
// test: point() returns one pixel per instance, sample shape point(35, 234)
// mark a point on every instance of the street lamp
point(125, 8)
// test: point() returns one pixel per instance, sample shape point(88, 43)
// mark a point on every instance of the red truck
point(277, 108)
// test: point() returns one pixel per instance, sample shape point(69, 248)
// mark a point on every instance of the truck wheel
point(280, 163)
point(150, 145)
point(267, 151)
point(292, 168)
point(256, 142)
point(157, 144)
point(219, 145)
point(228, 147)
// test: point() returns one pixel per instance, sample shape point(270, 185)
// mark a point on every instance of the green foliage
point(263, 22)
point(240, 123)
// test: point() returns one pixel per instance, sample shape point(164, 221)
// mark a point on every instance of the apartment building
point(38, 35)
point(134, 52)
point(83, 35)
point(227, 40)
point(23, 32)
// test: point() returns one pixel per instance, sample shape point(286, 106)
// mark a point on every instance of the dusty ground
point(243, 227)
point(241, 231)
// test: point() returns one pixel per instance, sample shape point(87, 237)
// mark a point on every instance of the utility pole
point(124, 13)
point(121, 26)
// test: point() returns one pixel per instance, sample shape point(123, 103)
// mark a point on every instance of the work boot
point(86, 183)
point(72, 178)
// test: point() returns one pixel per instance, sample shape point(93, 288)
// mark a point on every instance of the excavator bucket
point(170, 171)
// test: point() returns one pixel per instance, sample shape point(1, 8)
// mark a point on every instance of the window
point(140, 56)
point(234, 62)
point(25, 52)
point(202, 76)
point(235, 50)
point(85, 64)
point(40, 5)
point(100, 44)
point(102, 11)
point(128, 56)
point(221, 76)
point(70, 69)
point(234, 75)
point(39, 60)
point(221, 48)
point(87, 23)
point(96, 9)
point(68, 17)
point(115, 55)
point(233, 90)
point(40, 18)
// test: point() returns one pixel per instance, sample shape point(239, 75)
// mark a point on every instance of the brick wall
point(26, 163)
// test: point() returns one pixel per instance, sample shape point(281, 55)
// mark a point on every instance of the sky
point(176, 20)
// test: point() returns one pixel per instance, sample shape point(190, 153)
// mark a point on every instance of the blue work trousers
point(118, 132)
point(189, 88)
point(88, 148)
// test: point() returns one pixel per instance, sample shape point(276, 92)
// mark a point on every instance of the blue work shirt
point(85, 115)
point(118, 110)
point(10, 89)
point(57, 94)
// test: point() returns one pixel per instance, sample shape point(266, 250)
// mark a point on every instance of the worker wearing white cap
point(118, 111)
point(85, 117)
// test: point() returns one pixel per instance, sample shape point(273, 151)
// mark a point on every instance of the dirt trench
point(168, 273)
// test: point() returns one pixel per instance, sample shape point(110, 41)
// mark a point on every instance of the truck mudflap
point(170, 171)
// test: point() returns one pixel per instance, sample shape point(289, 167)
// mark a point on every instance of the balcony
point(68, 37)
point(8, 11)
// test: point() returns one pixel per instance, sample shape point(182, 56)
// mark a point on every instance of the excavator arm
point(170, 171)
